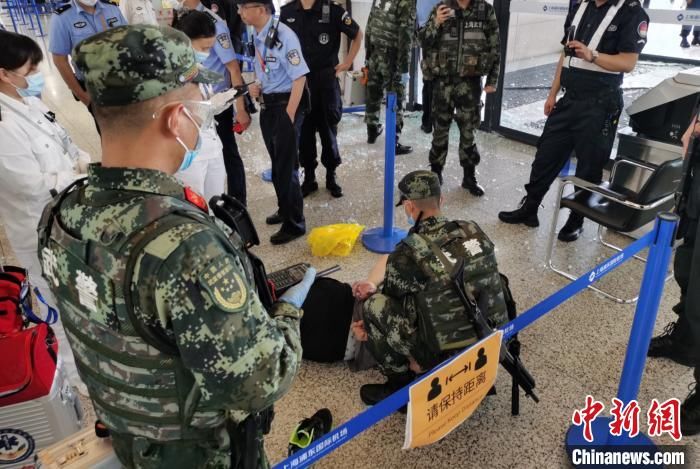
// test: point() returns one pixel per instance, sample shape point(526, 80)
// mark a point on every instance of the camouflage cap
point(130, 64)
point(418, 185)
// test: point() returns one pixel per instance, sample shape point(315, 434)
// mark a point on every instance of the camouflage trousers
point(383, 75)
point(392, 335)
point(459, 98)
point(140, 453)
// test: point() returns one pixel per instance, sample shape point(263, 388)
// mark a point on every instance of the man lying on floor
point(412, 316)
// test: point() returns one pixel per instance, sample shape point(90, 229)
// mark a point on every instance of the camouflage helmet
point(130, 64)
point(418, 185)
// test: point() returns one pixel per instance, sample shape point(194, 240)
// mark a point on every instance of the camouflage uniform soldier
point(418, 320)
point(169, 334)
point(387, 55)
point(464, 45)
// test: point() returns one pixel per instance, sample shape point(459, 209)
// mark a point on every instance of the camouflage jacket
point(390, 28)
point(407, 276)
point(188, 283)
point(468, 44)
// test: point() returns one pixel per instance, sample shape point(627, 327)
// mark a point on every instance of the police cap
point(130, 64)
point(418, 185)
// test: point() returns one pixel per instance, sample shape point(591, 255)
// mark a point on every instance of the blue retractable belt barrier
point(661, 247)
point(660, 242)
point(384, 239)
point(350, 109)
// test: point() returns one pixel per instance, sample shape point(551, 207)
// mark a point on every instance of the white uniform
point(207, 173)
point(37, 156)
point(139, 12)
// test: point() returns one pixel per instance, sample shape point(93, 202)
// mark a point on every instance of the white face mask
point(89, 3)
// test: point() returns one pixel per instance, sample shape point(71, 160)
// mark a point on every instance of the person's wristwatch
point(594, 56)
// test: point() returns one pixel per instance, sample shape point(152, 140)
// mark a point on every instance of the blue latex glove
point(297, 294)
point(404, 79)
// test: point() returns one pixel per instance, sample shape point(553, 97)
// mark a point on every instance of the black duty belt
point(268, 100)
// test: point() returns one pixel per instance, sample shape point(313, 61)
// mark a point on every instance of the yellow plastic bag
point(334, 240)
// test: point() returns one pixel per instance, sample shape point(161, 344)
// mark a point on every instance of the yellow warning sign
point(445, 398)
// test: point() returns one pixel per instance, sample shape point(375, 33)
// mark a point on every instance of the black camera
point(570, 33)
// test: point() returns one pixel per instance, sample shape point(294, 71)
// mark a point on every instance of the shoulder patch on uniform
point(63, 8)
point(293, 57)
point(224, 41)
point(221, 280)
point(347, 19)
point(642, 29)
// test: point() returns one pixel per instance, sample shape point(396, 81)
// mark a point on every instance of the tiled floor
point(576, 350)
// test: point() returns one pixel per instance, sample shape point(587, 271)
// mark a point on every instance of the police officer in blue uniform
point(602, 41)
point(281, 71)
point(318, 24)
point(73, 22)
point(222, 59)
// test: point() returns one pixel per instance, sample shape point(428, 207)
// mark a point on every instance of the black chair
point(613, 206)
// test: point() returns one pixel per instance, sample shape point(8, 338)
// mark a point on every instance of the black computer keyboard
point(288, 277)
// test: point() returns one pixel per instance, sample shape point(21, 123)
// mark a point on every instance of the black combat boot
point(373, 393)
point(672, 345)
point(374, 131)
point(309, 186)
point(525, 214)
point(696, 40)
point(402, 149)
point(332, 185)
point(469, 181)
point(572, 229)
point(437, 170)
point(690, 409)
point(684, 42)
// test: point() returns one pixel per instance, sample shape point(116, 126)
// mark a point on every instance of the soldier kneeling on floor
point(412, 317)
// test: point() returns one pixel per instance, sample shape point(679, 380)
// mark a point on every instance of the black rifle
point(692, 158)
point(512, 364)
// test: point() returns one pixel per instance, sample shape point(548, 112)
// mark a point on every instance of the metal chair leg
point(550, 251)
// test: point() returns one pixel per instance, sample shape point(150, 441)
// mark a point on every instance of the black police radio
point(570, 34)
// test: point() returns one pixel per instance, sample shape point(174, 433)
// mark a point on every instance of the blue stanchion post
point(651, 290)
point(383, 240)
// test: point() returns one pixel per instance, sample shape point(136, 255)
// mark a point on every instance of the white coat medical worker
point(206, 173)
point(37, 159)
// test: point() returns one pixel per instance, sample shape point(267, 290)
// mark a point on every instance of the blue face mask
point(201, 56)
point(410, 219)
point(35, 84)
point(190, 155)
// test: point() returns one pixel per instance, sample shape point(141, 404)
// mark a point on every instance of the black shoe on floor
point(310, 430)
point(469, 181)
point(282, 237)
point(572, 229)
point(332, 185)
point(373, 132)
point(670, 345)
point(428, 129)
point(684, 43)
point(274, 219)
point(696, 41)
point(525, 214)
point(690, 411)
point(309, 186)
point(403, 149)
point(437, 170)
point(373, 393)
